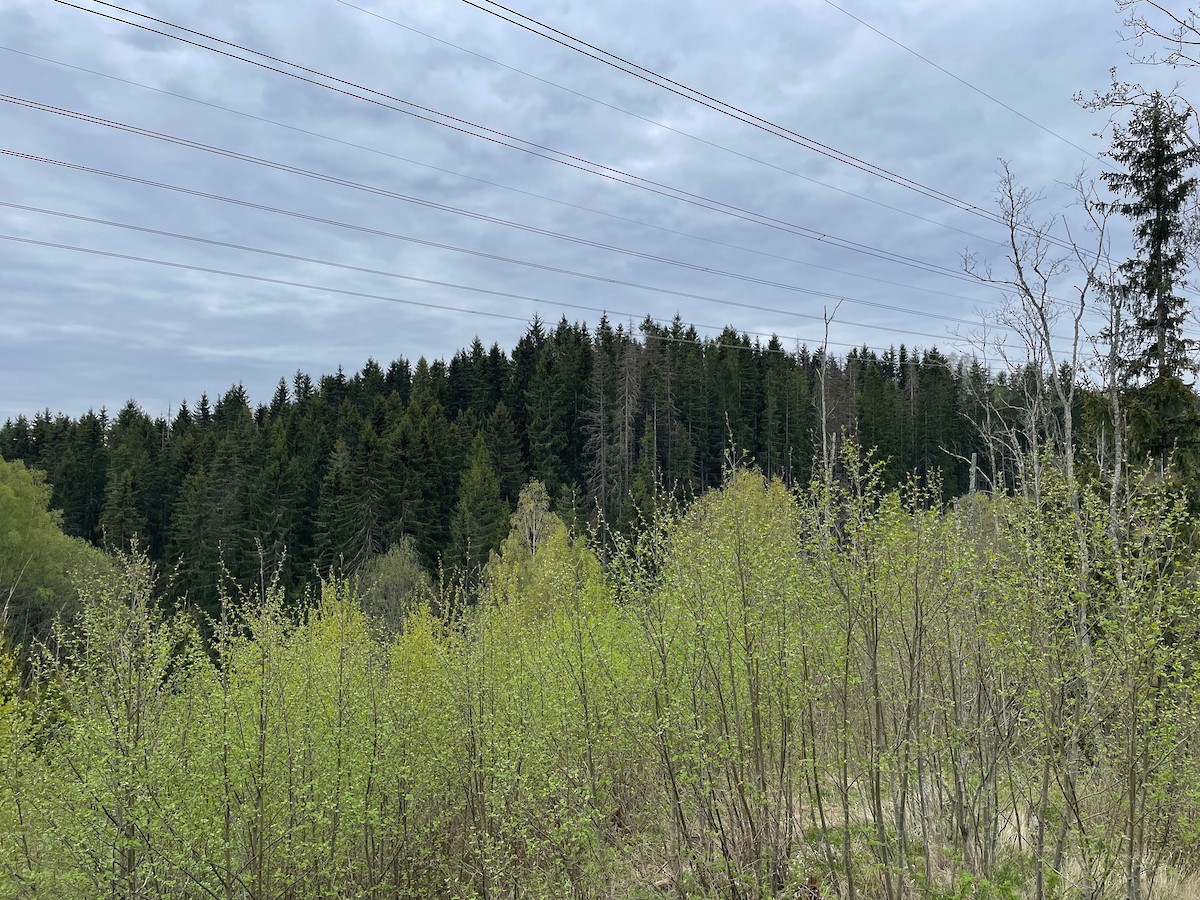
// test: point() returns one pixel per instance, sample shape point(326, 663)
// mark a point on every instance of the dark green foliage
point(480, 516)
point(122, 523)
point(500, 433)
point(1157, 154)
point(336, 471)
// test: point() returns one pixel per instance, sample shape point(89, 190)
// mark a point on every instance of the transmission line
point(504, 139)
point(496, 184)
point(810, 234)
point(620, 63)
point(663, 125)
point(960, 80)
point(125, 257)
point(678, 195)
point(503, 186)
point(405, 277)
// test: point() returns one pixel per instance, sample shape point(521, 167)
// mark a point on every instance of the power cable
point(652, 77)
point(820, 237)
point(727, 109)
point(829, 240)
point(496, 184)
point(453, 248)
point(503, 138)
point(404, 277)
point(962, 81)
point(663, 125)
point(418, 303)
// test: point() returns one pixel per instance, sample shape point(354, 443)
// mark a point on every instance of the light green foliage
point(546, 658)
point(36, 559)
point(14, 729)
point(394, 585)
point(728, 625)
point(842, 685)
point(107, 733)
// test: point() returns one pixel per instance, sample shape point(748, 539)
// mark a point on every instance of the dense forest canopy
point(331, 473)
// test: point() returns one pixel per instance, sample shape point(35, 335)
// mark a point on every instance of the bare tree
point(1050, 330)
point(1036, 267)
point(1176, 30)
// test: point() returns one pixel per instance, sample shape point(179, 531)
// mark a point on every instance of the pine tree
point(525, 358)
point(354, 507)
point(338, 544)
point(549, 422)
point(15, 441)
point(639, 507)
point(195, 546)
point(133, 456)
point(773, 440)
point(601, 449)
point(1157, 154)
point(83, 477)
point(275, 505)
point(628, 405)
point(878, 412)
point(281, 401)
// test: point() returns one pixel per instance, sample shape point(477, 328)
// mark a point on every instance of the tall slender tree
point(1156, 191)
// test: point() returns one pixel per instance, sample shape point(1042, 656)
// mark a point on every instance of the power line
point(798, 230)
point(886, 255)
point(962, 81)
point(663, 125)
point(457, 249)
point(501, 185)
point(507, 187)
point(405, 277)
point(417, 303)
point(652, 77)
point(540, 28)
point(503, 138)
point(468, 251)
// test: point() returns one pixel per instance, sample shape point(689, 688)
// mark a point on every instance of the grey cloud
point(79, 331)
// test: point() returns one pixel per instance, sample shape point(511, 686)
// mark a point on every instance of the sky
point(321, 229)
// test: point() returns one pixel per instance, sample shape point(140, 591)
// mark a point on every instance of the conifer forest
point(636, 609)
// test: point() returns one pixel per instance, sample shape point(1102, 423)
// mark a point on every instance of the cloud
point(84, 331)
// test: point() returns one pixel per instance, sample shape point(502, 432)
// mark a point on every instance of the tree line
point(332, 472)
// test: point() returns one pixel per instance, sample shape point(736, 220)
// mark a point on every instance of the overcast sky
point(81, 331)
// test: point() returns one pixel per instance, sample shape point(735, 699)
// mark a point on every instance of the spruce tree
point(1157, 154)
point(339, 543)
point(480, 515)
point(121, 522)
point(502, 439)
point(600, 448)
point(549, 421)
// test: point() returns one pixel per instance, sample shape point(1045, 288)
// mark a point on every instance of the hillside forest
point(631, 612)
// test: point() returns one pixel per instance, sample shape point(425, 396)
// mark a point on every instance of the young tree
point(36, 559)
